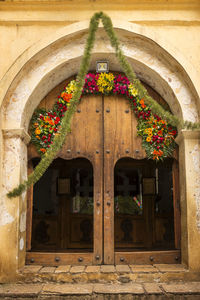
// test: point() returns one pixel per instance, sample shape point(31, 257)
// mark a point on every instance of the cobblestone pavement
point(190, 290)
point(107, 274)
point(105, 282)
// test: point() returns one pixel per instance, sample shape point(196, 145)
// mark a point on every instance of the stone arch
point(41, 67)
point(44, 65)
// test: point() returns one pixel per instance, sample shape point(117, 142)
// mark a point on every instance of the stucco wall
point(22, 23)
point(39, 49)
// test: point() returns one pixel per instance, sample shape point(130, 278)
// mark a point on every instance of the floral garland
point(65, 125)
point(157, 135)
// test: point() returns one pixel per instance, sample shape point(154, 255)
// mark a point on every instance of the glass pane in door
point(128, 205)
point(143, 205)
point(63, 207)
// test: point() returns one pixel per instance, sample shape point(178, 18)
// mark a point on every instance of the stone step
point(106, 274)
point(130, 291)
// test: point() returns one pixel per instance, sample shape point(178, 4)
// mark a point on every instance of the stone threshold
point(99, 291)
point(107, 274)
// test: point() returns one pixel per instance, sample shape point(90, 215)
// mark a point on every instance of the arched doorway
point(42, 67)
point(104, 134)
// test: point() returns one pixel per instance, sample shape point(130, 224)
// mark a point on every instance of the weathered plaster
point(21, 244)
point(10, 165)
point(5, 217)
point(22, 222)
point(49, 62)
point(196, 163)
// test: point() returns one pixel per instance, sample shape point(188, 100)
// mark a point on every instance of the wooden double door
point(104, 166)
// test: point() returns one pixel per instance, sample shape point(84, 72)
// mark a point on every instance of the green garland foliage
point(157, 135)
point(66, 121)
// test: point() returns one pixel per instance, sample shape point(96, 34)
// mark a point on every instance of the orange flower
point(47, 119)
point(156, 154)
point(142, 103)
point(37, 131)
point(66, 97)
point(51, 122)
point(43, 150)
point(160, 132)
point(162, 122)
point(37, 136)
point(148, 139)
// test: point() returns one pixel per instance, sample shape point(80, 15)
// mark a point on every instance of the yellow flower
point(150, 134)
point(148, 139)
point(37, 131)
point(132, 91)
point(149, 130)
point(105, 82)
point(71, 87)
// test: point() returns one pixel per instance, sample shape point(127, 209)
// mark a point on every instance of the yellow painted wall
point(23, 23)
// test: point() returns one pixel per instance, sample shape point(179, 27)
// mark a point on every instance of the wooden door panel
point(133, 237)
point(109, 144)
point(80, 238)
point(120, 140)
point(59, 258)
point(176, 198)
point(45, 229)
point(86, 140)
point(148, 257)
point(120, 131)
point(123, 137)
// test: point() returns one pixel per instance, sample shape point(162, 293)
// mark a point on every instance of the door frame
point(103, 251)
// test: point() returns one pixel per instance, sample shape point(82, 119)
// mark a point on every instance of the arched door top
point(49, 63)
